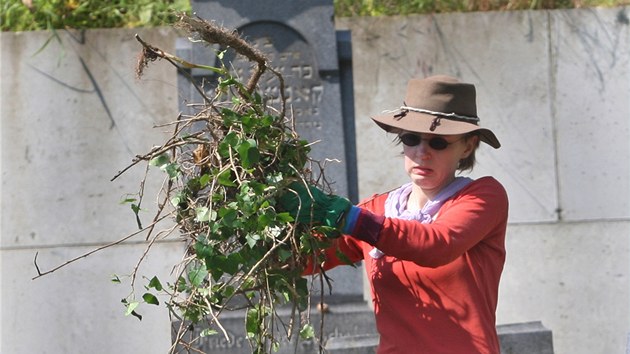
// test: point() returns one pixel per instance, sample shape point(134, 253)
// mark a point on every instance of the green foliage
point(19, 15)
point(350, 8)
point(225, 167)
point(25, 15)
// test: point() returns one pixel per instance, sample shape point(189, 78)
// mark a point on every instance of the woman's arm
point(473, 215)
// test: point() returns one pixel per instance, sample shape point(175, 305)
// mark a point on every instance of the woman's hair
point(466, 164)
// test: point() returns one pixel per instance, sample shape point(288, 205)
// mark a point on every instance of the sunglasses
point(436, 143)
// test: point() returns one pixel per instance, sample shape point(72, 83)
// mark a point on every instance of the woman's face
point(428, 167)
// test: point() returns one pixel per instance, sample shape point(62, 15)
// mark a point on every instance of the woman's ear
point(471, 144)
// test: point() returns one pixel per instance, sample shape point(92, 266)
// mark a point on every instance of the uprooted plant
point(226, 164)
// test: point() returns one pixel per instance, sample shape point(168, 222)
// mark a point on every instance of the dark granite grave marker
point(300, 41)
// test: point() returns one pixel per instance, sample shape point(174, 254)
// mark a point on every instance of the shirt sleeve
point(467, 219)
point(344, 251)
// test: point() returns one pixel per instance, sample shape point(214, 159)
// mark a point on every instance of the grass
point(348, 8)
point(31, 15)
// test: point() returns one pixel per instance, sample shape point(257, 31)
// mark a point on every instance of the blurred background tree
point(32, 15)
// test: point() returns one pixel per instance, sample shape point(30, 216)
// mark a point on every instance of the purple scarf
point(396, 205)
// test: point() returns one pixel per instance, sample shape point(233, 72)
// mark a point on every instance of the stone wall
point(73, 115)
point(553, 85)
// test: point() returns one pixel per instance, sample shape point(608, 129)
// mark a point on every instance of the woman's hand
point(311, 205)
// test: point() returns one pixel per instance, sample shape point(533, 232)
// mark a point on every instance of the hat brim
point(421, 123)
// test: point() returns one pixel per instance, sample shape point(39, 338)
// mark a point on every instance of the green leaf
point(203, 214)
point(136, 315)
point(267, 120)
point(301, 287)
point(207, 332)
point(228, 82)
point(172, 170)
point(160, 160)
point(128, 200)
point(155, 284)
point(265, 220)
point(225, 179)
point(252, 239)
point(204, 180)
point(150, 299)
point(248, 152)
point(197, 275)
point(284, 254)
point(231, 138)
point(228, 216)
point(165, 164)
point(221, 54)
point(252, 321)
point(307, 332)
point(203, 250)
point(179, 200)
point(284, 217)
point(131, 307)
point(229, 264)
point(181, 285)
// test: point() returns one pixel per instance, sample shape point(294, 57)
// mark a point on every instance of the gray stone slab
point(73, 115)
point(361, 344)
point(591, 49)
point(525, 338)
point(516, 338)
point(345, 320)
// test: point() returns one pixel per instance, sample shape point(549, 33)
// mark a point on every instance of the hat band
point(455, 116)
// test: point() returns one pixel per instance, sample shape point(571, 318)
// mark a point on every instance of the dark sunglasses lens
point(410, 139)
point(438, 143)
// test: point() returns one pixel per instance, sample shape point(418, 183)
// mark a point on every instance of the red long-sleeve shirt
point(435, 290)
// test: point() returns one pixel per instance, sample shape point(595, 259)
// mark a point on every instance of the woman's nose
point(422, 150)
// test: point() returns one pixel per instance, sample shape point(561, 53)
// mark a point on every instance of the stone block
point(525, 338)
point(342, 323)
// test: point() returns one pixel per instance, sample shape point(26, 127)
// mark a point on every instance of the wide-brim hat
point(438, 105)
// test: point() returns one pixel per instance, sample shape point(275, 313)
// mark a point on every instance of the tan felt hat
point(438, 105)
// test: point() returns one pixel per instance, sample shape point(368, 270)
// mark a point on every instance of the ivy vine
point(225, 166)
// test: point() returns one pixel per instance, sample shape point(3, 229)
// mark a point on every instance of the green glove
point(313, 205)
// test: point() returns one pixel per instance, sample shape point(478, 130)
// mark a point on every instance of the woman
point(433, 248)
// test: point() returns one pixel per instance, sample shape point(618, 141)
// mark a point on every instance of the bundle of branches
point(226, 165)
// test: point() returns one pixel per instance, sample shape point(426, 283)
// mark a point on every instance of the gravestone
point(299, 39)
point(345, 324)
point(514, 338)
point(525, 338)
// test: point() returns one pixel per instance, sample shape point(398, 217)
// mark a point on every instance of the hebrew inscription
point(292, 57)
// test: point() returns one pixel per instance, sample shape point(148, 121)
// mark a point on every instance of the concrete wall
point(553, 85)
point(73, 115)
